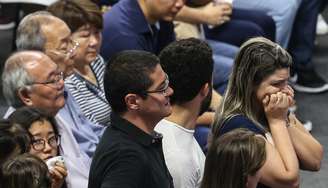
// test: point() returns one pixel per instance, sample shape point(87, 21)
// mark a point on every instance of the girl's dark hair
point(14, 140)
point(232, 158)
point(26, 116)
point(25, 171)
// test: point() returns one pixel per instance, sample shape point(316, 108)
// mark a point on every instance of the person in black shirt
point(130, 151)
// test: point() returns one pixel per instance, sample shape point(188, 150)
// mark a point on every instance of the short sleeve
point(119, 43)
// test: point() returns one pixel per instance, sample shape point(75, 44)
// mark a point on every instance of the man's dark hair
point(128, 72)
point(189, 65)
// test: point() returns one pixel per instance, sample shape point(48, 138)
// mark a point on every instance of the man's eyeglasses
point(55, 82)
point(68, 52)
point(75, 45)
point(162, 90)
point(40, 144)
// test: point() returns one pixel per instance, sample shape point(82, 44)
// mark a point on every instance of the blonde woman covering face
point(257, 98)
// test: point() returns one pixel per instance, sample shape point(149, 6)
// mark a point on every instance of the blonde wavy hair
point(257, 59)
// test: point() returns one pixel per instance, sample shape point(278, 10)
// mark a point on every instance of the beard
point(206, 102)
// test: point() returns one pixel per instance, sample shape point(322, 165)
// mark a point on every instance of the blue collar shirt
point(79, 139)
point(126, 28)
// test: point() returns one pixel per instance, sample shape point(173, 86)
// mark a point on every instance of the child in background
point(45, 139)
point(25, 171)
point(234, 160)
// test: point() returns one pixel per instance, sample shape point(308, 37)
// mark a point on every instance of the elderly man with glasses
point(79, 137)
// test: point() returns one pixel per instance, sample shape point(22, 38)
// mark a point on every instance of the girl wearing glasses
point(44, 139)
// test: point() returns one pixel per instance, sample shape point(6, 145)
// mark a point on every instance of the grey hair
point(29, 32)
point(15, 76)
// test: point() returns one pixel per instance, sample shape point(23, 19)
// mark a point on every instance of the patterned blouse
point(91, 98)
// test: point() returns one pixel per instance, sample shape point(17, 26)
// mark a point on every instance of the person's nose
point(284, 87)
point(47, 147)
point(94, 40)
point(179, 4)
point(169, 91)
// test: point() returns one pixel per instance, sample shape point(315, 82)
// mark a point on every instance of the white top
point(77, 162)
point(183, 156)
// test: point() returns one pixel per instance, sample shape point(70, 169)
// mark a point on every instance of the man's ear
point(132, 101)
point(205, 89)
point(24, 95)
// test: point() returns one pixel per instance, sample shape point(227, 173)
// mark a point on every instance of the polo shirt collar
point(134, 12)
point(134, 132)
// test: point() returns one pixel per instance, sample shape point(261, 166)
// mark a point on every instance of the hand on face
point(290, 93)
point(276, 106)
point(288, 90)
point(58, 174)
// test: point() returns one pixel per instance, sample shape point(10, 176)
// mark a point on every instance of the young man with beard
point(189, 66)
